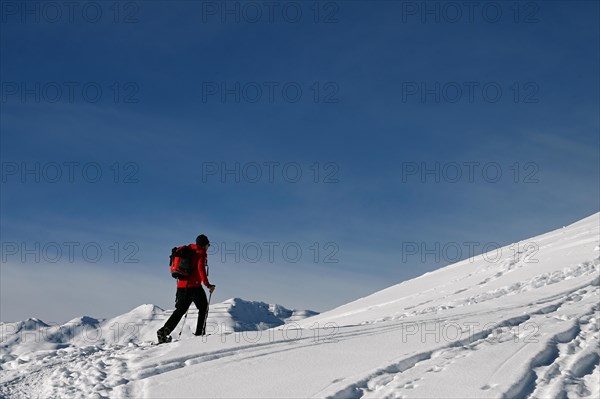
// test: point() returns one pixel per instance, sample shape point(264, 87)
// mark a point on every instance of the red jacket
point(198, 274)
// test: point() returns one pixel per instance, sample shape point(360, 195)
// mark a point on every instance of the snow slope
point(22, 342)
point(521, 322)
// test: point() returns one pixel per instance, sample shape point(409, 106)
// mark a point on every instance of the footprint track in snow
point(395, 378)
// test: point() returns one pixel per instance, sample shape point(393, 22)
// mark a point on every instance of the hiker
point(189, 289)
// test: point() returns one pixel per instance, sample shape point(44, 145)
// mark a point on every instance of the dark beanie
point(202, 240)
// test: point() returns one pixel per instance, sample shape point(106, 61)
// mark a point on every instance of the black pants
point(183, 300)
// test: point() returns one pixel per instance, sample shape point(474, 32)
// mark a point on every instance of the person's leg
point(183, 300)
point(202, 305)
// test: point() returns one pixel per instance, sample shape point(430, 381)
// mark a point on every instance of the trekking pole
point(180, 331)
point(206, 314)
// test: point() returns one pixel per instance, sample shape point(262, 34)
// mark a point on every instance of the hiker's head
point(202, 241)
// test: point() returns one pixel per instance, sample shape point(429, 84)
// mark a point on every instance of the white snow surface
point(522, 321)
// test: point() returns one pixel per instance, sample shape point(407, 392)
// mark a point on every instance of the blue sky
point(379, 103)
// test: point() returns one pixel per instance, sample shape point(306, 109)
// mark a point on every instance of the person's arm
point(203, 275)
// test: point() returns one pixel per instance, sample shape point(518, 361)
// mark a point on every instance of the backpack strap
point(173, 251)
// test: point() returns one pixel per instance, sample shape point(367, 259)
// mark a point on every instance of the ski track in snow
point(566, 359)
point(559, 358)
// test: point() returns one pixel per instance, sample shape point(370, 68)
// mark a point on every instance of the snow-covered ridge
point(251, 316)
point(526, 325)
point(139, 324)
point(565, 255)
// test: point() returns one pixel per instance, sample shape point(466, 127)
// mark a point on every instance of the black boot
point(200, 331)
point(163, 335)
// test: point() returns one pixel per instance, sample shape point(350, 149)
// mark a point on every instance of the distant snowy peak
point(139, 324)
point(146, 312)
point(252, 315)
point(26, 325)
point(83, 321)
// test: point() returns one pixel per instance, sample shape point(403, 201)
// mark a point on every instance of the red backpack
point(181, 262)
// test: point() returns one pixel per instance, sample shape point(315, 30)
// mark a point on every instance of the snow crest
point(525, 325)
